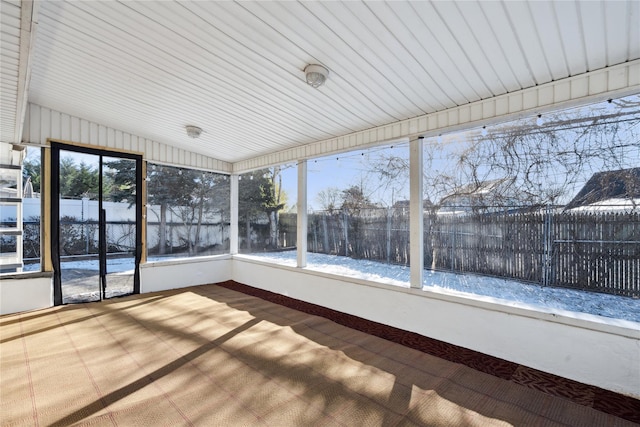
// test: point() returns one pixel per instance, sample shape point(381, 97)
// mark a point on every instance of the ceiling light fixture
point(193, 131)
point(316, 75)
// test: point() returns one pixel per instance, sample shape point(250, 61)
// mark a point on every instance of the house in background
point(487, 196)
point(609, 191)
point(232, 87)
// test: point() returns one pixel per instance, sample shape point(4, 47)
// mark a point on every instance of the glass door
point(96, 216)
point(78, 219)
point(119, 227)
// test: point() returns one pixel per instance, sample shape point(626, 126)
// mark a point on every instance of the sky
point(344, 170)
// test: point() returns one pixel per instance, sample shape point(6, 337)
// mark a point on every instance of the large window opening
point(267, 216)
point(359, 205)
point(540, 212)
point(188, 212)
point(358, 214)
point(552, 201)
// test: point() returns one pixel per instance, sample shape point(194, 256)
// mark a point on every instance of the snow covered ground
point(506, 292)
point(115, 265)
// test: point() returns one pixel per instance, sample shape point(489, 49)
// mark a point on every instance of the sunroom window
point(188, 212)
point(268, 213)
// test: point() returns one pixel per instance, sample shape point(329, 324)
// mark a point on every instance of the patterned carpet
point(228, 354)
point(600, 399)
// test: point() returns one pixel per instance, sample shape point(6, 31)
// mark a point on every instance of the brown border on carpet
point(597, 398)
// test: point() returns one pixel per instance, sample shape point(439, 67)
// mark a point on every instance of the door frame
point(55, 210)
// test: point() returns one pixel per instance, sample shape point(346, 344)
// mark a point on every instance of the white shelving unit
point(11, 218)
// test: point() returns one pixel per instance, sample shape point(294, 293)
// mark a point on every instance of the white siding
point(43, 123)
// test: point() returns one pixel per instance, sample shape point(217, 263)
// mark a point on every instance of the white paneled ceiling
point(9, 67)
point(235, 68)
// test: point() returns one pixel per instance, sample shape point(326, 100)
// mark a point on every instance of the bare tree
point(535, 163)
point(329, 199)
point(525, 162)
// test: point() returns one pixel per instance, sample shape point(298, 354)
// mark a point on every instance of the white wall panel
point(22, 294)
point(632, 74)
point(562, 92)
point(43, 123)
point(161, 276)
point(598, 83)
point(623, 79)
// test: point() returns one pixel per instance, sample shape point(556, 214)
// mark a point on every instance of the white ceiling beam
point(594, 86)
point(28, 24)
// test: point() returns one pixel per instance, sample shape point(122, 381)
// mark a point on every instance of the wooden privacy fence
point(595, 251)
point(500, 245)
point(375, 234)
point(599, 252)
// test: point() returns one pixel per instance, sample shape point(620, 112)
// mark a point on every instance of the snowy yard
point(483, 288)
point(491, 289)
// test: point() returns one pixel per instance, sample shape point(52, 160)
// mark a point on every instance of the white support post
point(302, 214)
point(416, 213)
point(233, 230)
point(28, 23)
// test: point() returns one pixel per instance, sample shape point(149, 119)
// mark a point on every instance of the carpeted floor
point(216, 355)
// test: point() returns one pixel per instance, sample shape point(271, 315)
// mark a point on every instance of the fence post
point(315, 238)
point(346, 234)
point(85, 232)
point(453, 245)
point(547, 241)
point(85, 223)
point(388, 235)
point(325, 234)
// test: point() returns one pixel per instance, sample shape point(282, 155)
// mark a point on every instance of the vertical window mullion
point(302, 214)
point(416, 213)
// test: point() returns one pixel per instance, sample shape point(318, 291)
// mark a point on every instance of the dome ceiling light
point(316, 75)
point(193, 131)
